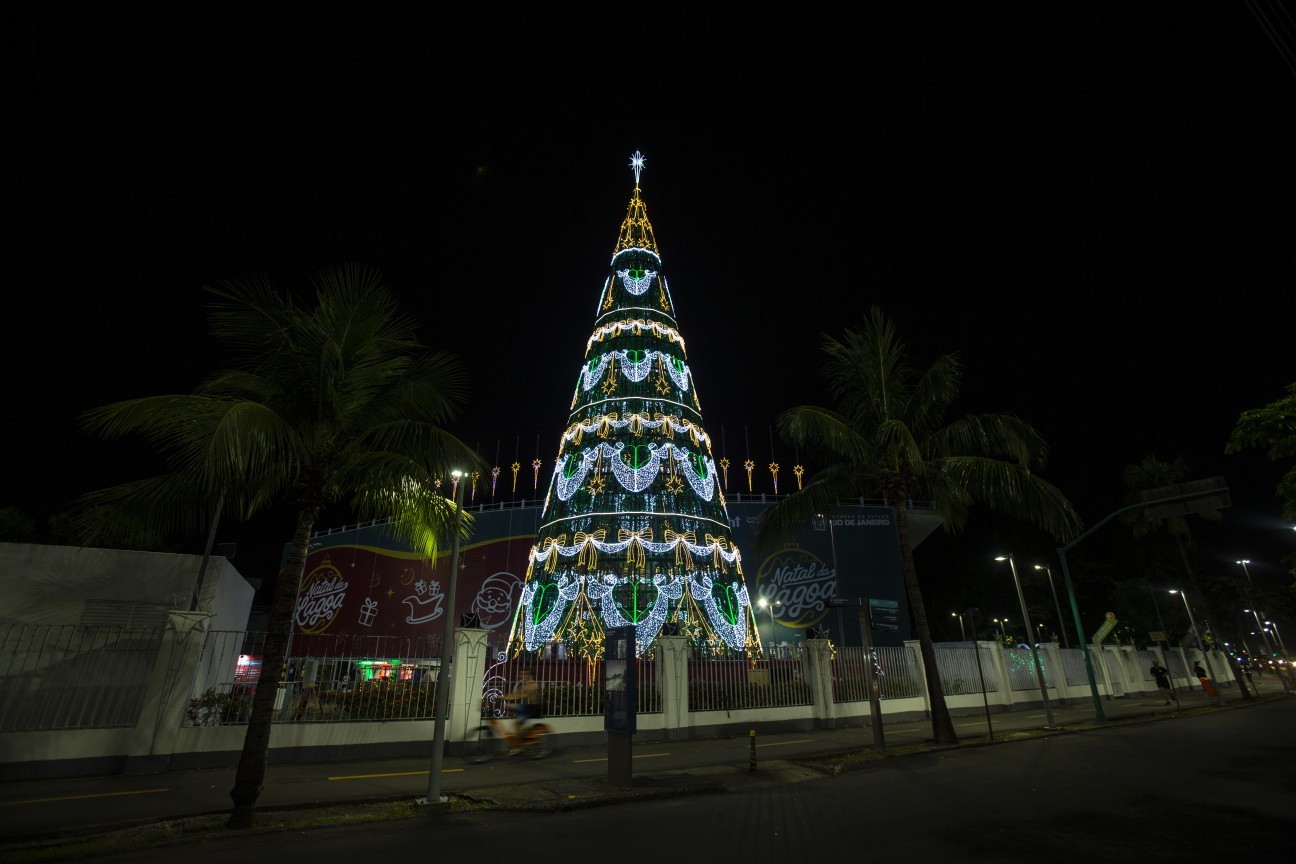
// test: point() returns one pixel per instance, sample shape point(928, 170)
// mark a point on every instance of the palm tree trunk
point(942, 725)
point(256, 743)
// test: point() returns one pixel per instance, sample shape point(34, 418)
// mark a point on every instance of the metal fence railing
point(960, 675)
point(1021, 669)
point(725, 679)
point(328, 678)
point(82, 677)
point(74, 677)
point(569, 687)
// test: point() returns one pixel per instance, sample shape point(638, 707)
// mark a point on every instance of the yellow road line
point(905, 731)
point(781, 743)
point(83, 797)
point(637, 756)
point(393, 774)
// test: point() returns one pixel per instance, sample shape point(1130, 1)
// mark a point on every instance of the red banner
point(362, 590)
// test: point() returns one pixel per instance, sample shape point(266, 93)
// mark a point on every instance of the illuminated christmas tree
point(634, 529)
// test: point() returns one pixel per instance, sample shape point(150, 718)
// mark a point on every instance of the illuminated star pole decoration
point(798, 470)
point(636, 165)
point(517, 466)
point(774, 469)
point(750, 466)
point(477, 474)
point(535, 472)
point(724, 466)
point(494, 478)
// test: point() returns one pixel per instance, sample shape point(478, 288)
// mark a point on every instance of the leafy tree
point(323, 403)
point(1273, 427)
point(888, 437)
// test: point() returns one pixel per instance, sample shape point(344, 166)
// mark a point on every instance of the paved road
point(1216, 786)
point(35, 808)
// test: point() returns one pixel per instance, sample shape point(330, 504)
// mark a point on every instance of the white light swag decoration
point(636, 326)
point(636, 285)
point(634, 479)
point(599, 589)
point(636, 370)
point(578, 430)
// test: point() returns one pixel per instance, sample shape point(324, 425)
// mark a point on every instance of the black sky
point(1092, 204)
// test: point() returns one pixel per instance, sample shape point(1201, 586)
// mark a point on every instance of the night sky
point(1092, 205)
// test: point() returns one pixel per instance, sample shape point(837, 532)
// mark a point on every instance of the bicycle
point(488, 741)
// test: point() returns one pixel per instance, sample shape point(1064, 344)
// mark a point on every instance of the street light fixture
point(962, 632)
point(1039, 667)
point(764, 603)
point(434, 796)
point(1003, 635)
point(1056, 604)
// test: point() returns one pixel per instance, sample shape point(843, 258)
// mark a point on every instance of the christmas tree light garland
point(634, 529)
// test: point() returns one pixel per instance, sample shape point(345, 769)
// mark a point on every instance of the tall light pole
point(1278, 633)
point(1271, 647)
point(1039, 667)
point(962, 632)
point(1056, 604)
point(1003, 635)
point(434, 797)
point(1157, 607)
point(1201, 646)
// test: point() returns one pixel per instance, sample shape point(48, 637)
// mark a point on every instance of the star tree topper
point(636, 165)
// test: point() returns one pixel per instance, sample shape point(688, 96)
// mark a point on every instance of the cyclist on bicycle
point(525, 698)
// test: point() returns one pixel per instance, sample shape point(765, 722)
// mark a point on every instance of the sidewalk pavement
point(51, 812)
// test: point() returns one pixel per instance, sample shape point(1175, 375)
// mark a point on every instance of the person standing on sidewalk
point(1204, 677)
point(1162, 678)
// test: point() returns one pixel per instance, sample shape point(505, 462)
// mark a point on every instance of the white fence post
point(465, 697)
point(672, 678)
point(1054, 666)
point(817, 657)
point(167, 697)
point(915, 651)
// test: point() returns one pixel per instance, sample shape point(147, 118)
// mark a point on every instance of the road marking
point(393, 774)
point(781, 743)
point(978, 723)
point(83, 797)
point(905, 731)
point(637, 756)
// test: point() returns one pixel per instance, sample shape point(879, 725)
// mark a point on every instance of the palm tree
point(335, 402)
point(1154, 473)
point(888, 438)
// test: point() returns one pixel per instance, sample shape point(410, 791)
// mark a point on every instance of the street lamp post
point(434, 797)
point(1056, 604)
point(1030, 632)
point(1270, 646)
point(1278, 633)
point(1201, 646)
point(1003, 634)
point(962, 632)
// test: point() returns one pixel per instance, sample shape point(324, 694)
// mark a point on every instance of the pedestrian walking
point(1204, 677)
point(1162, 677)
